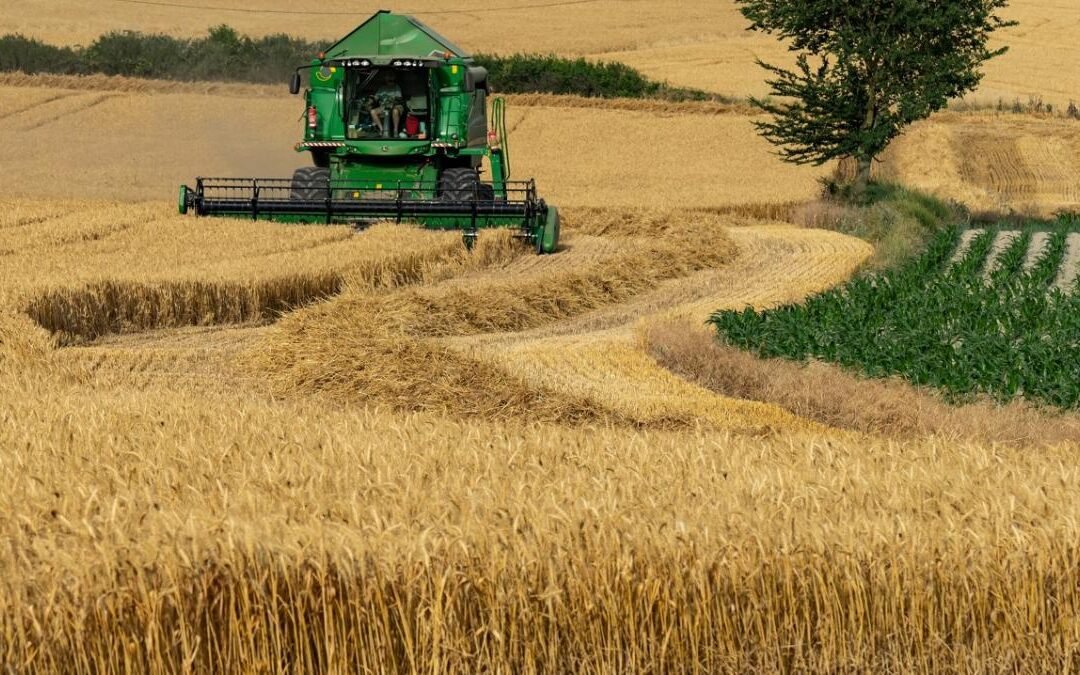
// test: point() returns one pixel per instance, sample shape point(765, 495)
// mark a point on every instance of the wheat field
point(695, 43)
point(423, 472)
point(578, 151)
point(992, 162)
point(234, 446)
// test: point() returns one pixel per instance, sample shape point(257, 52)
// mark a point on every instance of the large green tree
point(866, 69)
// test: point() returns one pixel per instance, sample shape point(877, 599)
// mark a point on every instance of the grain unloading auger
point(396, 121)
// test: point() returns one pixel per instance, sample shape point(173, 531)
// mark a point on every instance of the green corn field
point(959, 319)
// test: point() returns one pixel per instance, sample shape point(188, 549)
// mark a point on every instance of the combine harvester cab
point(397, 124)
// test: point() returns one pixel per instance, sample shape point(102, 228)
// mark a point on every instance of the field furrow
point(1070, 267)
point(966, 237)
point(1039, 240)
point(1002, 241)
point(31, 103)
point(1067, 273)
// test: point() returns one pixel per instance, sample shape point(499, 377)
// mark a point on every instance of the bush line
point(226, 55)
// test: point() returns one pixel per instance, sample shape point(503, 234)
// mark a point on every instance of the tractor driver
point(387, 96)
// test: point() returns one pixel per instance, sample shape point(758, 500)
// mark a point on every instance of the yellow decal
point(454, 69)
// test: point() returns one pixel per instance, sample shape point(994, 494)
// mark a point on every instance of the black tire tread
point(459, 184)
point(309, 183)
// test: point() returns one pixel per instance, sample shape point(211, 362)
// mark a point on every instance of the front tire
point(459, 185)
point(309, 183)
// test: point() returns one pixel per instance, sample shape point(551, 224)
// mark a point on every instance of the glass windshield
point(387, 103)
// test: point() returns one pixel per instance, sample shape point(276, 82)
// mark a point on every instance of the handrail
point(498, 114)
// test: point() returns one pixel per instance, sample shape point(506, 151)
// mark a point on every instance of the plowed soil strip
point(1070, 267)
point(1036, 249)
point(1001, 242)
point(966, 237)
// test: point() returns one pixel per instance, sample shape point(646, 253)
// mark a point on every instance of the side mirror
point(476, 78)
point(294, 83)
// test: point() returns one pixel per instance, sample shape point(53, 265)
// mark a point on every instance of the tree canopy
point(866, 69)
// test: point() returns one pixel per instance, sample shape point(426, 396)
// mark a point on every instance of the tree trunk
point(862, 175)
point(864, 159)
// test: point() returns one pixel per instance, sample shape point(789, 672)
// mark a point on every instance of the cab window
point(387, 103)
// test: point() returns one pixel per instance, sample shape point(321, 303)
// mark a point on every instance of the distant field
point(696, 43)
point(580, 156)
point(992, 162)
point(157, 135)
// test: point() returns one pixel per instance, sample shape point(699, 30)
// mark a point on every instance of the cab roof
point(389, 34)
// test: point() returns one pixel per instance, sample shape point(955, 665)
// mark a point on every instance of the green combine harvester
point(396, 121)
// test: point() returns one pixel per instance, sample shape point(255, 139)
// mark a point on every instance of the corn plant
point(965, 328)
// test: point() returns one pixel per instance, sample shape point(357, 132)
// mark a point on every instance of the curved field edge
point(984, 320)
point(385, 347)
point(837, 398)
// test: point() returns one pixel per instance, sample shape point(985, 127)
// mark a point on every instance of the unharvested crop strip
point(79, 314)
point(497, 305)
point(408, 374)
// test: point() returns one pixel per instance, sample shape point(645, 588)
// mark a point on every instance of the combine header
point(396, 122)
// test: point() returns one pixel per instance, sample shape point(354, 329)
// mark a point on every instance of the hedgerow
point(226, 55)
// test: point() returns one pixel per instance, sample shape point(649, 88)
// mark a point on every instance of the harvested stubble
point(993, 163)
point(184, 131)
point(380, 347)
